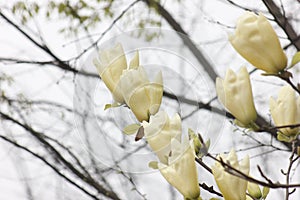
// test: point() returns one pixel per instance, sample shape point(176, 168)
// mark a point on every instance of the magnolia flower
point(235, 93)
point(110, 65)
point(232, 187)
point(160, 131)
point(257, 42)
point(143, 98)
point(286, 110)
point(180, 170)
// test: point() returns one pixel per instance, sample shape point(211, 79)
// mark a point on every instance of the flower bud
point(232, 187)
point(159, 132)
point(181, 171)
point(142, 97)
point(257, 42)
point(286, 110)
point(254, 190)
point(235, 94)
point(110, 65)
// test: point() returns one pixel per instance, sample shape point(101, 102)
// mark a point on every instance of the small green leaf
point(266, 191)
point(131, 129)
point(196, 141)
point(114, 105)
point(107, 106)
point(153, 165)
point(269, 74)
point(61, 7)
point(238, 123)
point(296, 59)
point(284, 138)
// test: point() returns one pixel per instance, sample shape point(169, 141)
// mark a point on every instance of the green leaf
point(107, 106)
point(296, 59)
point(266, 191)
point(36, 8)
point(61, 7)
point(153, 165)
point(196, 141)
point(114, 105)
point(131, 129)
point(284, 138)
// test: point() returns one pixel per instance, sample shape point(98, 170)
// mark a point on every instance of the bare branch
point(58, 62)
point(40, 137)
point(237, 173)
point(106, 30)
point(184, 36)
point(55, 169)
point(283, 22)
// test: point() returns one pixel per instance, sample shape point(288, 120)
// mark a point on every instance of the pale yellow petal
point(182, 174)
point(110, 65)
point(232, 187)
point(257, 42)
point(131, 80)
point(235, 93)
point(220, 90)
point(160, 131)
point(284, 110)
point(135, 63)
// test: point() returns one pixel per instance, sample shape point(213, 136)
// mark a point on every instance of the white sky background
point(200, 19)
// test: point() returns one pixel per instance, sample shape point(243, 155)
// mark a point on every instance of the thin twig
point(210, 189)
point(291, 162)
point(57, 155)
point(228, 168)
point(55, 169)
point(106, 30)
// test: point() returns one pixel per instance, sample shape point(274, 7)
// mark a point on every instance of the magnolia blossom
point(143, 98)
point(160, 131)
point(235, 93)
point(232, 187)
point(257, 42)
point(177, 159)
point(286, 110)
point(180, 170)
point(110, 65)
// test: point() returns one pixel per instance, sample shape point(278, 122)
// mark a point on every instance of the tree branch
point(184, 36)
point(58, 62)
point(39, 136)
point(235, 172)
point(283, 22)
point(54, 168)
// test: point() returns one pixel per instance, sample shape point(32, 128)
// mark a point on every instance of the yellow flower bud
point(286, 110)
point(232, 187)
point(143, 98)
point(257, 42)
point(235, 94)
point(254, 190)
point(110, 65)
point(181, 171)
point(160, 131)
